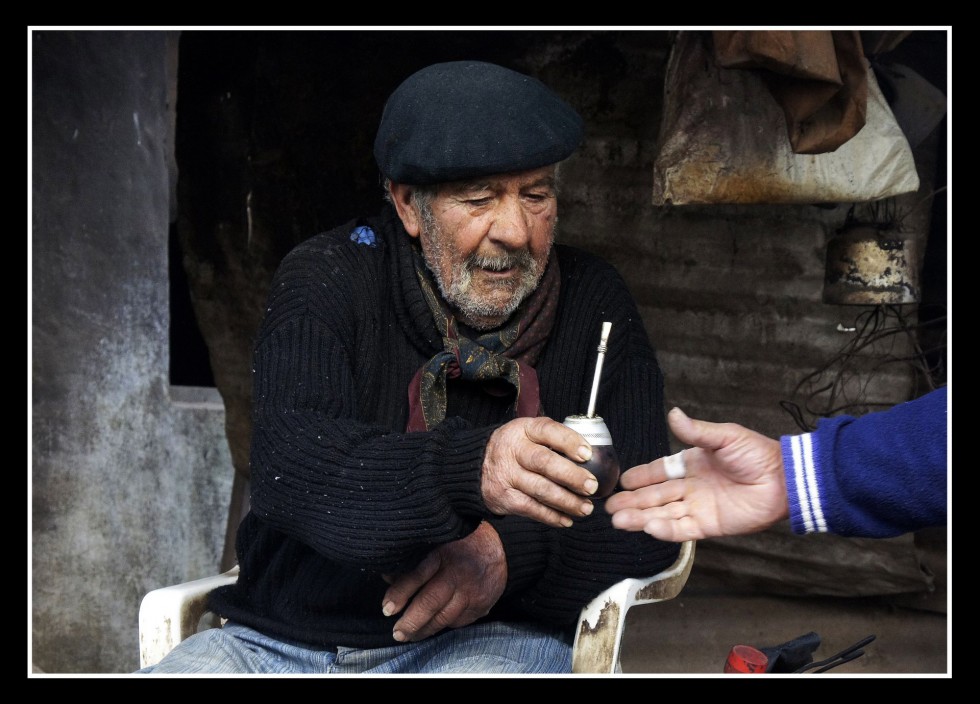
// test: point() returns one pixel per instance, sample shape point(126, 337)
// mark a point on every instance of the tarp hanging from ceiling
point(724, 138)
point(818, 78)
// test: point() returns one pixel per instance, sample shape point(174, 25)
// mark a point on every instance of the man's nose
point(511, 226)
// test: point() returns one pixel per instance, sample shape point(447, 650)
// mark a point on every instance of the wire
point(884, 338)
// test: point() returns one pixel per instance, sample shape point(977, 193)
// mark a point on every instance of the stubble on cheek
point(483, 302)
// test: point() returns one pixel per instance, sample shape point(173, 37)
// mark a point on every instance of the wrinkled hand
point(453, 586)
point(526, 472)
point(734, 485)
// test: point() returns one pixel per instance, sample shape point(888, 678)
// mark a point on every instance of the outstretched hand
point(527, 472)
point(733, 485)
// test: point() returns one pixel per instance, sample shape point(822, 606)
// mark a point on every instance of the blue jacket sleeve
point(875, 476)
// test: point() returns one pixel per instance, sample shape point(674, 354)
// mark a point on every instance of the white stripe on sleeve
point(812, 490)
point(801, 494)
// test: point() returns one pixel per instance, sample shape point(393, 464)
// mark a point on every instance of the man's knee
point(211, 651)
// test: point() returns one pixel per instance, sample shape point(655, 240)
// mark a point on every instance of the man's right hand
point(734, 483)
point(527, 472)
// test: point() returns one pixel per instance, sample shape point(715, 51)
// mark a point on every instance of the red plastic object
point(746, 659)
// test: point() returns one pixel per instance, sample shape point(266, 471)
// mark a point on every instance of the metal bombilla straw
point(603, 464)
point(603, 340)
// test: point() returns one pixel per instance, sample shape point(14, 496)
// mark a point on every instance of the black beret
point(464, 119)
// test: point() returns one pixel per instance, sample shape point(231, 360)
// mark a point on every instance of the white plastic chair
point(601, 624)
point(170, 614)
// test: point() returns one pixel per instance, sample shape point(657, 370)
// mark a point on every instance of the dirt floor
point(693, 633)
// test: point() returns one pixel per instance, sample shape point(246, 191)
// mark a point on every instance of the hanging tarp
point(724, 139)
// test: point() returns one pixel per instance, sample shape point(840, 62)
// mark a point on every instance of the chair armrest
point(599, 636)
point(170, 614)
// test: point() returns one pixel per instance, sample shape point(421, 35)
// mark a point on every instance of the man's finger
point(559, 437)
point(652, 496)
point(422, 617)
point(538, 459)
point(670, 520)
point(544, 489)
point(529, 506)
point(631, 519)
point(675, 530)
point(405, 585)
point(698, 433)
point(643, 475)
point(444, 617)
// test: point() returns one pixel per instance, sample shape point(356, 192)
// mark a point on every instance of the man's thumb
point(697, 433)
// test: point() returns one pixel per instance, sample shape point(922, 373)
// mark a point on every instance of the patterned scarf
point(506, 355)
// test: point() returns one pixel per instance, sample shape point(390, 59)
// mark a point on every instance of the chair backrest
point(170, 614)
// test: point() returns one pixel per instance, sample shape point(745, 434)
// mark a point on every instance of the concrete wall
point(132, 489)
point(129, 488)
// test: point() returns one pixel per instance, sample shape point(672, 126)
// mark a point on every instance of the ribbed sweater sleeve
point(354, 491)
point(875, 476)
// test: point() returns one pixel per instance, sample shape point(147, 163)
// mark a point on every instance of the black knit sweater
point(341, 494)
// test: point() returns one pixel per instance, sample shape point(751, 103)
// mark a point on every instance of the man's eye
point(478, 202)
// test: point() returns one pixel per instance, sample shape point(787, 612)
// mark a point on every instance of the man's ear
point(401, 196)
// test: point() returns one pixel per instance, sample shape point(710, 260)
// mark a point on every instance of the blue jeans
point(489, 648)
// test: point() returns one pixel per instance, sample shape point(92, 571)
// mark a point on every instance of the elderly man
point(416, 504)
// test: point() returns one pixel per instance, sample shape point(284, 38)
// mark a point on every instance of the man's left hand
point(453, 586)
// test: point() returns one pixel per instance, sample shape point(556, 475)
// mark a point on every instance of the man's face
point(487, 242)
